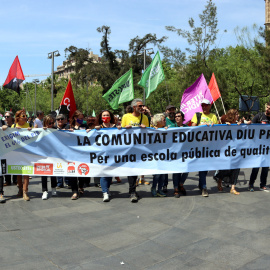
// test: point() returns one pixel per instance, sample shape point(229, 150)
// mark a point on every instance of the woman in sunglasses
point(21, 122)
point(48, 122)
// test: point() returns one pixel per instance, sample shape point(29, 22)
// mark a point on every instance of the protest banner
point(113, 152)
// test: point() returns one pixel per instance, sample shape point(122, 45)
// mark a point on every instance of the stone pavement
point(223, 231)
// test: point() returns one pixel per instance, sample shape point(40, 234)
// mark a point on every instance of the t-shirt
point(38, 123)
point(205, 119)
point(26, 125)
point(261, 118)
point(170, 123)
point(130, 120)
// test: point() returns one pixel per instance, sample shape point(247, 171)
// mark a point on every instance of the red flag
point(213, 86)
point(68, 104)
point(15, 76)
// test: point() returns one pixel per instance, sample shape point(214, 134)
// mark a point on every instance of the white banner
point(136, 151)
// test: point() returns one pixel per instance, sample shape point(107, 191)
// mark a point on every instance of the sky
point(31, 29)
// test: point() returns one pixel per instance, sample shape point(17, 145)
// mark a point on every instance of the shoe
point(45, 195)
point(264, 189)
point(164, 189)
point(74, 197)
point(20, 193)
point(160, 193)
point(219, 185)
point(81, 191)
point(233, 191)
point(133, 197)
point(182, 190)
point(154, 192)
point(98, 185)
point(25, 196)
point(176, 193)
point(106, 197)
point(143, 182)
point(205, 192)
point(54, 192)
point(58, 187)
point(251, 188)
point(2, 199)
point(118, 180)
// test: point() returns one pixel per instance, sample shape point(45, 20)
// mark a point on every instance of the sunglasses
point(140, 106)
point(23, 116)
point(60, 119)
point(7, 116)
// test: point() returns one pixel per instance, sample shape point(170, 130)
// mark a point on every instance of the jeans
point(166, 180)
point(60, 181)
point(158, 179)
point(132, 184)
point(105, 183)
point(202, 179)
point(254, 173)
point(179, 178)
point(44, 182)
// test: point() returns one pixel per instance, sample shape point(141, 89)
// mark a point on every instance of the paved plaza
point(223, 231)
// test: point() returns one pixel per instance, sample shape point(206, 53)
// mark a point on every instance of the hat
point(205, 101)
point(169, 107)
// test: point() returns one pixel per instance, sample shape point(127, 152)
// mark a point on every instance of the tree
point(203, 36)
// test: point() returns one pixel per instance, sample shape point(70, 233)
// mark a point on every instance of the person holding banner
point(48, 122)
point(199, 119)
point(158, 179)
point(129, 120)
point(106, 120)
point(179, 178)
point(21, 122)
point(260, 118)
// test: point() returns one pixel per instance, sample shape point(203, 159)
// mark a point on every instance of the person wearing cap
point(199, 119)
point(170, 119)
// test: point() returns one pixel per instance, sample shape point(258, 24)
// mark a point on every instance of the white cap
point(205, 101)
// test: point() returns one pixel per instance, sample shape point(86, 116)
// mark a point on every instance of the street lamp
point(51, 55)
point(149, 52)
point(35, 81)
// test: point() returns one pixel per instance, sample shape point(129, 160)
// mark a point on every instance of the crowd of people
point(137, 115)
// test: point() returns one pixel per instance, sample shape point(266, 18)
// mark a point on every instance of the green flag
point(27, 113)
point(152, 76)
point(121, 91)
point(93, 113)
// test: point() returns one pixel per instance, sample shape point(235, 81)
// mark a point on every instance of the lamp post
point(149, 52)
point(51, 55)
point(35, 81)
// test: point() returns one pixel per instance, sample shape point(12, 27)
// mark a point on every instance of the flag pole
point(216, 110)
point(222, 104)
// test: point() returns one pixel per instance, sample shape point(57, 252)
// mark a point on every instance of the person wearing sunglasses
point(21, 122)
point(129, 120)
point(209, 119)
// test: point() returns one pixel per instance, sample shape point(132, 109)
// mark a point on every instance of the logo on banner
point(71, 168)
point(20, 169)
point(83, 169)
point(59, 166)
point(43, 168)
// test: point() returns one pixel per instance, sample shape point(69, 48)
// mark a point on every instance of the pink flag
point(192, 97)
